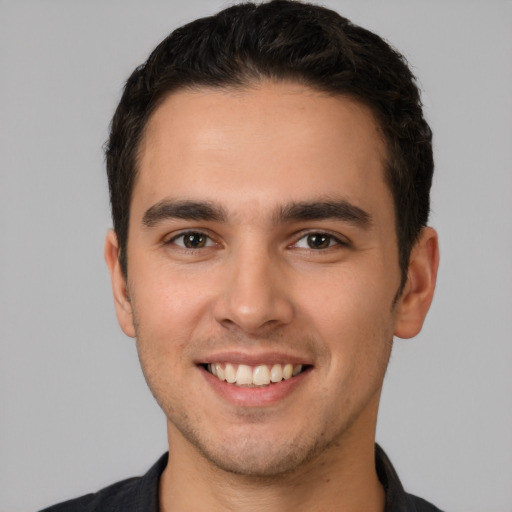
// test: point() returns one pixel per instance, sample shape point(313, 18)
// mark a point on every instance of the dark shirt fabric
point(141, 494)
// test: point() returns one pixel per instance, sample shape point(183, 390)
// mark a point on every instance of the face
point(262, 244)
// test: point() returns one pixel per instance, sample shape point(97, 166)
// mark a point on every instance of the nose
point(254, 295)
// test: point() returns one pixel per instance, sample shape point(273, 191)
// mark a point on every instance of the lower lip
point(243, 396)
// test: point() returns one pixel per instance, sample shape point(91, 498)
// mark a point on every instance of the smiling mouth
point(254, 376)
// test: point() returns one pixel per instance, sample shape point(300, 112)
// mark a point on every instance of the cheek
point(166, 299)
point(353, 314)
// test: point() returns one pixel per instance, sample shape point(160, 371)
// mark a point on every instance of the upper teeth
point(261, 375)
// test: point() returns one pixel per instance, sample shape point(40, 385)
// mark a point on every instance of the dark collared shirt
point(141, 494)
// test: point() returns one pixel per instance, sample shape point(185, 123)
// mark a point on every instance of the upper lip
point(253, 359)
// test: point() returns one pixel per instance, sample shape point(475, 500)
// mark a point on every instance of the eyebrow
point(187, 210)
point(323, 210)
point(295, 211)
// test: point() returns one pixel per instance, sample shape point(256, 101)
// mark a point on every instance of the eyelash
point(332, 240)
point(173, 240)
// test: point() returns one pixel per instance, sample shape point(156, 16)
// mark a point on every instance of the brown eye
point(192, 240)
point(318, 240)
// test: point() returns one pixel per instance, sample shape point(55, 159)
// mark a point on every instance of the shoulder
point(107, 499)
point(130, 495)
point(397, 499)
point(421, 505)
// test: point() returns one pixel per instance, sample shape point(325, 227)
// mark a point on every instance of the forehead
point(260, 143)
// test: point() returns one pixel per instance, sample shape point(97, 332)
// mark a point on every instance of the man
point(269, 173)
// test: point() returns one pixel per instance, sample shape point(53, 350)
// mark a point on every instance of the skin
point(258, 288)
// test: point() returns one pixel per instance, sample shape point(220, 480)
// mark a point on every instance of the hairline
point(253, 83)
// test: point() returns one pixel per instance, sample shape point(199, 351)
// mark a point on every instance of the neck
point(342, 478)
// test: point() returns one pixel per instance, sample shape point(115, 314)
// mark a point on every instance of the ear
point(418, 292)
point(122, 301)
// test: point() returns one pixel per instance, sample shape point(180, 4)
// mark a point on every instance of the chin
point(259, 457)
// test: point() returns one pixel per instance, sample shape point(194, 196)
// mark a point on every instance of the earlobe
point(414, 303)
point(122, 301)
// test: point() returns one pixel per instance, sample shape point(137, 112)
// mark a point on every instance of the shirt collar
point(397, 500)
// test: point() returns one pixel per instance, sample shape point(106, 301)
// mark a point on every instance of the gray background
point(75, 411)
